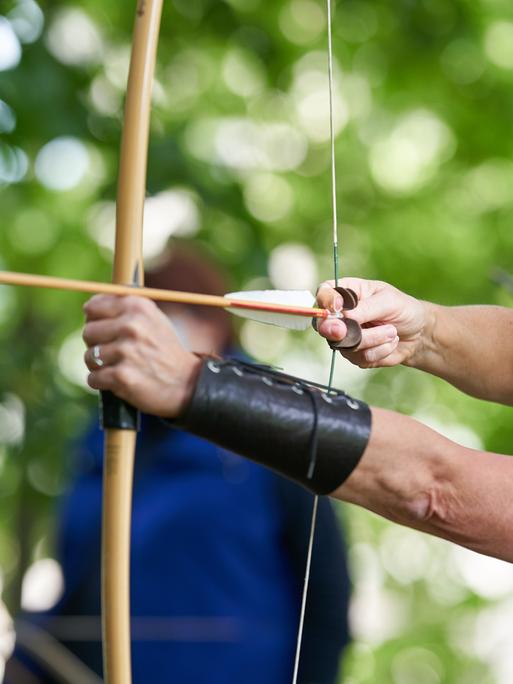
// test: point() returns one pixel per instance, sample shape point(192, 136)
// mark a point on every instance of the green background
point(239, 162)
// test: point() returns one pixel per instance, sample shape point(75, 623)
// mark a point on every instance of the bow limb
point(119, 419)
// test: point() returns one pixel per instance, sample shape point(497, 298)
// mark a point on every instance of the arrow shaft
point(174, 296)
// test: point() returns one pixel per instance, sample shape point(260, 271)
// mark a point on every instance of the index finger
point(105, 306)
point(328, 298)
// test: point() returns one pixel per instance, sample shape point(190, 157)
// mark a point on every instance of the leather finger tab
point(353, 294)
point(353, 338)
point(349, 297)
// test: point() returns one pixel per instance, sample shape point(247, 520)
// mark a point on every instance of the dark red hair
point(187, 268)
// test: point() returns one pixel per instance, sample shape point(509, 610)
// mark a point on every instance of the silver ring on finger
point(97, 357)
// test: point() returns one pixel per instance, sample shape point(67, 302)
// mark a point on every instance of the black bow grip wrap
point(298, 429)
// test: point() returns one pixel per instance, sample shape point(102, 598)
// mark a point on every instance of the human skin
point(144, 362)
point(469, 346)
point(409, 473)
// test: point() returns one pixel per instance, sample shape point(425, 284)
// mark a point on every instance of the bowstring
point(333, 354)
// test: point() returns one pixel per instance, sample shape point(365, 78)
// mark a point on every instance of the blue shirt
point(216, 575)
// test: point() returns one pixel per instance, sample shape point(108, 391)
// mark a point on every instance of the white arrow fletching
point(302, 298)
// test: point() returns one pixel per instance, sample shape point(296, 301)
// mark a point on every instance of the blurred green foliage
point(424, 105)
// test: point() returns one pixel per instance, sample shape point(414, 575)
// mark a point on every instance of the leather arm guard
point(298, 429)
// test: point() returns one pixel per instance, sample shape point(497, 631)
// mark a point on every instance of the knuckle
point(133, 303)
point(146, 305)
point(118, 374)
point(139, 305)
point(129, 328)
point(369, 355)
point(123, 375)
point(124, 350)
point(325, 285)
point(91, 304)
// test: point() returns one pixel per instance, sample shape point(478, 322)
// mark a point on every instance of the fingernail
point(392, 334)
point(338, 303)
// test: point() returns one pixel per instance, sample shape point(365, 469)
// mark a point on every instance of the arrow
point(278, 307)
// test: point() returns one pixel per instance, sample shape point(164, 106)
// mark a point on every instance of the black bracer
point(301, 430)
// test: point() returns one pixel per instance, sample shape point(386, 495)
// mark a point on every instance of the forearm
point(380, 460)
point(471, 347)
point(389, 463)
point(418, 478)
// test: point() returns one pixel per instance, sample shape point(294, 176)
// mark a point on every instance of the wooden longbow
point(119, 419)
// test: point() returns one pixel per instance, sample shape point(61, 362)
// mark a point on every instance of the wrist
point(190, 376)
point(426, 344)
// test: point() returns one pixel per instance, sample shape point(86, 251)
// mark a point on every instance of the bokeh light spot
point(62, 163)
point(417, 665)
point(409, 156)
point(310, 96)
point(292, 266)
point(172, 212)
point(243, 73)
point(71, 360)
point(190, 73)
point(463, 62)
point(116, 64)
point(7, 118)
point(12, 419)
point(32, 231)
point(43, 584)
point(10, 48)
point(302, 21)
point(105, 98)
point(405, 554)
point(268, 197)
point(376, 614)
point(13, 164)
point(498, 44)
point(27, 20)
point(487, 577)
point(73, 38)
point(240, 143)
point(264, 342)
point(489, 186)
point(449, 427)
